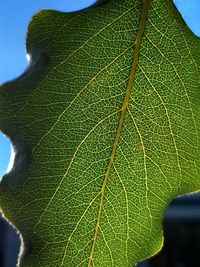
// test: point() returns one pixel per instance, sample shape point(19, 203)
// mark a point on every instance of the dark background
point(181, 225)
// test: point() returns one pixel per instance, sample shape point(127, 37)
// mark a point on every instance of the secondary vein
point(137, 44)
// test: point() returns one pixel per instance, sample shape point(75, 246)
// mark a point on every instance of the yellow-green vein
point(137, 43)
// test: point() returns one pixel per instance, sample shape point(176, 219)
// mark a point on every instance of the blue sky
point(190, 10)
point(14, 17)
point(4, 154)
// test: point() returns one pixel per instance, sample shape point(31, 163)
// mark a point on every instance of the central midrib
point(137, 44)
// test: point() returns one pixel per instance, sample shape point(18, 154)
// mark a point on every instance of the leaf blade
point(69, 119)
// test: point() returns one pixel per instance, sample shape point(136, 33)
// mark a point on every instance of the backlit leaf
point(105, 123)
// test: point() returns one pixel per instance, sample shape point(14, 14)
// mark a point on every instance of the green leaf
point(105, 124)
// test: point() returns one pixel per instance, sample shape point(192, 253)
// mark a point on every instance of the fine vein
point(137, 44)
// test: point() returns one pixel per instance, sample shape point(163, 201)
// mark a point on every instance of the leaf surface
point(105, 123)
